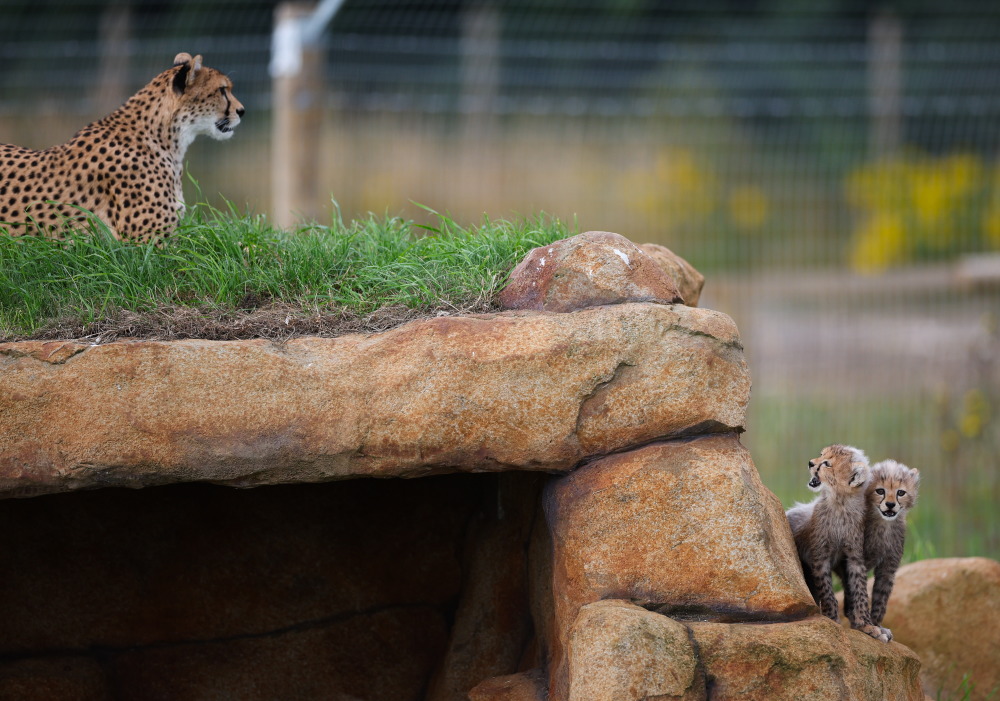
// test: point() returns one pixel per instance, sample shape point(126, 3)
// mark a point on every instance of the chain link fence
point(833, 172)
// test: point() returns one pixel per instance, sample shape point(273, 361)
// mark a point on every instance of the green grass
point(221, 260)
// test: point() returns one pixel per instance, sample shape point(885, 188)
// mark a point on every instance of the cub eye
point(222, 90)
point(880, 491)
point(900, 492)
point(826, 463)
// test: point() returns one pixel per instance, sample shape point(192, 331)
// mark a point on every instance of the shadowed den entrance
point(363, 589)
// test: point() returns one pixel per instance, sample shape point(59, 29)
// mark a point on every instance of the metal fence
point(832, 172)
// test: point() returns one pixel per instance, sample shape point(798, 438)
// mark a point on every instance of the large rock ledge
point(512, 391)
point(654, 565)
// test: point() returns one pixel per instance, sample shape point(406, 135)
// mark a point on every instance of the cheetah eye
point(222, 90)
point(825, 463)
point(901, 493)
point(880, 491)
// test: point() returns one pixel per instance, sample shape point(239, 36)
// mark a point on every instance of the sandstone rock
point(525, 686)
point(685, 526)
point(621, 652)
point(514, 391)
point(493, 621)
point(587, 270)
point(688, 280)
point(811, 659)
point(948, 611)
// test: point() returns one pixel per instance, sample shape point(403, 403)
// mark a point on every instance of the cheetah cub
point(829, 533)
point(891, 493)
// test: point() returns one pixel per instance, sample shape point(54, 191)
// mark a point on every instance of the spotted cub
point(891, 493)
point(829, 533)
point(125, 168)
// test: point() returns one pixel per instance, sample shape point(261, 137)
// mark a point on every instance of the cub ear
point(915, 473)
point(187, 71)
point(859, 475)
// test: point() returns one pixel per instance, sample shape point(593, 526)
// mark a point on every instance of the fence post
point(297, 94)
point(885, 84)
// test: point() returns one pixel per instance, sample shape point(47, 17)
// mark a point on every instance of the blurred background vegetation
point(832, 167)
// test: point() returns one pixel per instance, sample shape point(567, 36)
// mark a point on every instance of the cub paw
point(883, 634)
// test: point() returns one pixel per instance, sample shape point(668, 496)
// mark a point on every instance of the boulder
point(812, 659)
point(512, 391)
point(524, 686)
point(590, 269)
point(688, 280)
point(685, 527)
point(948, 611)
point(492, 623)
point(621, 652)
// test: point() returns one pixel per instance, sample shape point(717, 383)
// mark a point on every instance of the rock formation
point(514, 391)
point(629, 550)
point(948, 611)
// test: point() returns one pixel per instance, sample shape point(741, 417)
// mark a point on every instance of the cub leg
point(822, 578)
point(885, 577)
point(858, 613)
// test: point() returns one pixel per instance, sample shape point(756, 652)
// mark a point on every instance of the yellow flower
point(749, 206)
point(879, 242)
point(688, 187)
point(949, 440)
point(975, 414)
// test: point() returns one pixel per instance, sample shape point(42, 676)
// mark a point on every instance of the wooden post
point(885, 84)
point(113, 30)
point(297, 81)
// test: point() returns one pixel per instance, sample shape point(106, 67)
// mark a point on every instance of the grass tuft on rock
point(227, 275)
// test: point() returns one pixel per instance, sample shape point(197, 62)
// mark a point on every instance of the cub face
point(840, 467)
point(206, 101)
point(893, 489)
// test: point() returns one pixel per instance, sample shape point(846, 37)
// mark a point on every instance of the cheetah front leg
point(858, 613)
point(822, 580)
point(885, 577)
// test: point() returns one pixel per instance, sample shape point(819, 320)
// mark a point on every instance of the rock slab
point(621, 652)
point(685, 527)
point(586, 270)
point(809, 660)
point(524, 686)
point(948, 611)
point(512, 391)
point(688, 280)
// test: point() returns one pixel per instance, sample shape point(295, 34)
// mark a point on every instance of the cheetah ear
point(915, 473)
point(187, 72)
point(859, 475)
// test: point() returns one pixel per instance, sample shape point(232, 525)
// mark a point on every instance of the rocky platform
point(626, 550)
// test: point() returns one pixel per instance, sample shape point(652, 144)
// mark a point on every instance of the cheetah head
point(893, 489)
point(841, 467)
point(206, 104)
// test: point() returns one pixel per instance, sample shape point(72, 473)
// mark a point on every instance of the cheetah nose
point(890, 505)
point(240, 111)
point(812, 464)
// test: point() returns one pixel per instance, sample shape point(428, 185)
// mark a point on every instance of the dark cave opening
point(361, 589)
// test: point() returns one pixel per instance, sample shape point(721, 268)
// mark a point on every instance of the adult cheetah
point(126, 168)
